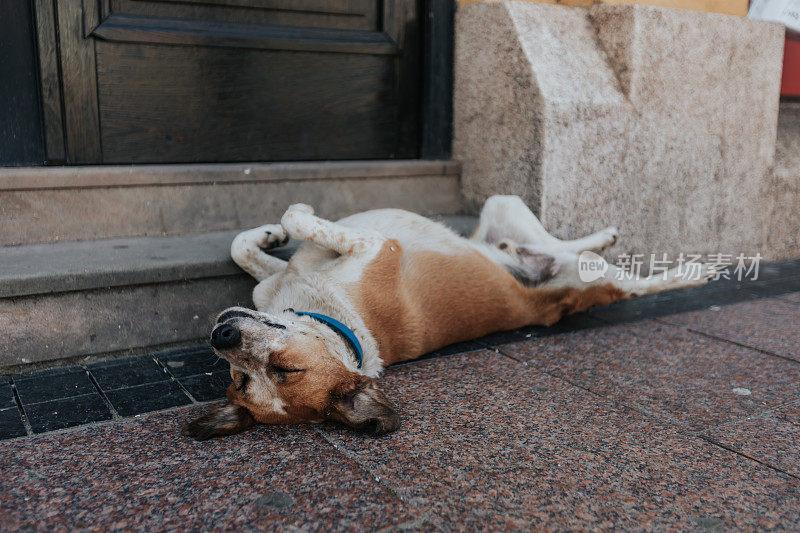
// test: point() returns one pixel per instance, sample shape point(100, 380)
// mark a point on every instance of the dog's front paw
point(610, 236)
point(248, 242)
point(613, 234)
point(265, 237)
point(271, 236)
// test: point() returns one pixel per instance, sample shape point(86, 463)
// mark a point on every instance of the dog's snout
point(225, 336)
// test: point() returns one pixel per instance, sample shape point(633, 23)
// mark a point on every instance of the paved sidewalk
point(628, 417)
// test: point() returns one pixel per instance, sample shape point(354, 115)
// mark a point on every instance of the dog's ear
point(365, 408)
point(225, 420)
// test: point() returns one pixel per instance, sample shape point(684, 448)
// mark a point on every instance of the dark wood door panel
point(183, 104)
point(174, 81)
point(340, 14)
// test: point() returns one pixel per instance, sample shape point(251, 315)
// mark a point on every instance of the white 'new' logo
point(591, 266)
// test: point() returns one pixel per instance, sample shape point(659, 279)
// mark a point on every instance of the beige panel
point(728, 7)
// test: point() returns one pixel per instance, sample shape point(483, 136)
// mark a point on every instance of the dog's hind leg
point(301, 224)
point(629, 285)
point(674, 278)
point(567, 293)
point(507, 217)
point(247, 250)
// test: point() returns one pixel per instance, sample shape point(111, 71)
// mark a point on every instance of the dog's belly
point(415, 301)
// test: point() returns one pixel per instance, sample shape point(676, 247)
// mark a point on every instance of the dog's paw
point(265, 237)
point(707, 272)
point(610, 234)
point(272, 236)
point(508, 246)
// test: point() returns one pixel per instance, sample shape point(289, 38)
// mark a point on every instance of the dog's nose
point(225, 336)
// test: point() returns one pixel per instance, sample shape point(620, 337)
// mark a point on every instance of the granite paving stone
point(575, 322)
point(777, 287)
point(667, 371)
point(715, 293)
point(130, 372)
point(142, 474)
point(459, 347)
point(193, 362)
point(772, 437)
point(647, 426)
point(66, 412)
point(47, 372)
point(207, 387)
point(53, 384)
point(666, 303)
point(7, 396)
point(787, 269)
point(11, 424)
point(769, 324)
point(487, 443)
point(145, 398)
point(792, 297)
point(500, 338)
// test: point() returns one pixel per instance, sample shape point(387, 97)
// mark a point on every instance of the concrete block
point(56, 326)
point(659, 121)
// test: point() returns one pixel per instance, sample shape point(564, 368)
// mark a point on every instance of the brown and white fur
point(405, 285)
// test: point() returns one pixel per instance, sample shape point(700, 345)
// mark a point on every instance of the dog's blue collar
point(343, 330)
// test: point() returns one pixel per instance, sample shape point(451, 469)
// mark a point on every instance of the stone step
point(70, 300)
point(53, 204)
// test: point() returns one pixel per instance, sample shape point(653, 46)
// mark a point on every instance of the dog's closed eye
point(281, 372)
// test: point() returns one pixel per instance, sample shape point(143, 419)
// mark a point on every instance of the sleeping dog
point(386, 286)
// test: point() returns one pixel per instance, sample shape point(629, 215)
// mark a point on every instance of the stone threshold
point(94, 392)
point(74, 266)
point(33, 178)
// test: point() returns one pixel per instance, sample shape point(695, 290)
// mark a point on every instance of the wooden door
point(176, 81)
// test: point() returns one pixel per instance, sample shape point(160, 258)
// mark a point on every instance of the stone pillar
point(659, 121)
